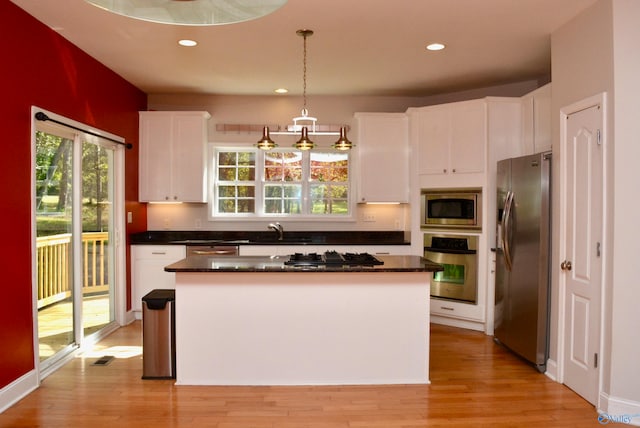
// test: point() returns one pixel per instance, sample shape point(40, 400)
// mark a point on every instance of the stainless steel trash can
point(159, 335)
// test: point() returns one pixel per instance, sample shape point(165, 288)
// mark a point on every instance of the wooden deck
point(55, 322)
point(475, 383)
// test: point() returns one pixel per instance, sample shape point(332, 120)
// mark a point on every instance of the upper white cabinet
point(383, 157)
point(450, 138)
point(172, 158)
point(536, 120)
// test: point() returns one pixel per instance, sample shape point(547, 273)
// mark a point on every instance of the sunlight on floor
point(115, 351)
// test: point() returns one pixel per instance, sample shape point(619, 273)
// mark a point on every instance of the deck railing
point(54, 266)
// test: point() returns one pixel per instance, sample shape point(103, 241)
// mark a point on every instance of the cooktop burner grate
point(333, 258)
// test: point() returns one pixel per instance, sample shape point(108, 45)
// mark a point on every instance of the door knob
point(565, 265)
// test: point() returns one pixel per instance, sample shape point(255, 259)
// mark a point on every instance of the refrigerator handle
point(506, 229)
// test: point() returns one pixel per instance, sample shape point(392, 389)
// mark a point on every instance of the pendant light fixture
point(343, 142)
point(305, 125)
point(266, 143)
point(304, 143)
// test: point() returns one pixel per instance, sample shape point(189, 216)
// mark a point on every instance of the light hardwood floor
point(474, 383)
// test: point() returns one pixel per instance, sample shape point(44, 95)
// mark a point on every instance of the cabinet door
point(468, 137)
point(189, 160)
point(536, 121)
point(432, 129)
point(383, 148)
point(542, 119)
point(173, 156)
point(527, 145)
point(155, 157)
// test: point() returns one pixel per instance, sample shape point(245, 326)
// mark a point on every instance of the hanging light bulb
point(266, 143)
point(304, 143)
point(343, 142)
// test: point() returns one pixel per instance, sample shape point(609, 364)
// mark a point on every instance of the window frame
point(260, 183)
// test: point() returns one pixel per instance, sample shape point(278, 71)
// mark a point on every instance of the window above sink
point(248, 183)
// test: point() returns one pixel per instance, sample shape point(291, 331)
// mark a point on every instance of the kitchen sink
point(211, 241)
point(271, 240)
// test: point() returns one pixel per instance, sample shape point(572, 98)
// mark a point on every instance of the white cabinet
point(172, 159)
point(383, 157)
point(458, 314)
point(450, 138)
point(147, 271)
point(536, 121)
point(457, 145)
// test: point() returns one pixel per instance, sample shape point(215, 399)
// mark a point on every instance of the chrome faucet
point(277, 227)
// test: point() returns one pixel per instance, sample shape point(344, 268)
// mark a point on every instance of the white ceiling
point(360, 47)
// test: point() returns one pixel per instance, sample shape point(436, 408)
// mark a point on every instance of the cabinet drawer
point(172, 252)
point(463, 311)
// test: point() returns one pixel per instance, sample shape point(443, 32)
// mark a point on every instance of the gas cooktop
point(333, 258)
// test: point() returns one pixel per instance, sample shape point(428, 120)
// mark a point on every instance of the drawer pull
point(446, 308)
point(160, 253)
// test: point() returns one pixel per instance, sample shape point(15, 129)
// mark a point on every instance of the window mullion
point(260, 182)
point(306, 180)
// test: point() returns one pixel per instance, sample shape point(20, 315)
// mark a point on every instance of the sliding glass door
point(97, 251)
point(54, 243)
point(74, 222)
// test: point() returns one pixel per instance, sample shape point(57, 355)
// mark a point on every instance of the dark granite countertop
point(276, 264)
point(203, 237)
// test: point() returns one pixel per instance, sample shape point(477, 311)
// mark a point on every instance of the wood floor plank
point(474, 382)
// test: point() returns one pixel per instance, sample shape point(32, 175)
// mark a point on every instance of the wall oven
point(458, 255)
point(451, 208)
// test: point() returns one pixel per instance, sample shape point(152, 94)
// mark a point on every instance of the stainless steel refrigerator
point(522, 256)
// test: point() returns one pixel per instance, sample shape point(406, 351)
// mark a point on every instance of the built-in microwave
point(451, 208)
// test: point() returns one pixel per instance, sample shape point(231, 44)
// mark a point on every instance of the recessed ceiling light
point(435, 47)
point(281, 91)
point(187, 42)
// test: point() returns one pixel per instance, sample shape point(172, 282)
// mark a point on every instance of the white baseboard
point(552, 370)
point(455, 322)
point(17, 390)
point(620, 410)
point(130, 316)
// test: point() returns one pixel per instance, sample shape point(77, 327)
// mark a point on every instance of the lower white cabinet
point(147, 271)
point(458, 314)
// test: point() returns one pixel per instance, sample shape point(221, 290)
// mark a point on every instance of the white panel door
point(582, 266)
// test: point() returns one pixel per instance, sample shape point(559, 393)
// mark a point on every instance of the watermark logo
point(605, 418)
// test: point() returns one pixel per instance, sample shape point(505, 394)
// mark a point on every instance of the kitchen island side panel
point(303, 328)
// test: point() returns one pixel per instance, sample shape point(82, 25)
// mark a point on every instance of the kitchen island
point(258, 321)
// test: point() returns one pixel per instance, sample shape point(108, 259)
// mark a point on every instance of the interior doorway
point(581, 248)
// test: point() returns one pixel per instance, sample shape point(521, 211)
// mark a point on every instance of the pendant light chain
point(304, 75)
point(304, 34)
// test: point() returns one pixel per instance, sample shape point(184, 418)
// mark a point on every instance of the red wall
point(39, 67)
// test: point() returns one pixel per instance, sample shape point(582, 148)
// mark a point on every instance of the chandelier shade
point(191, 12)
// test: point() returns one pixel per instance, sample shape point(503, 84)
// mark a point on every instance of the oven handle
point(506, 232)
point(448, 251)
